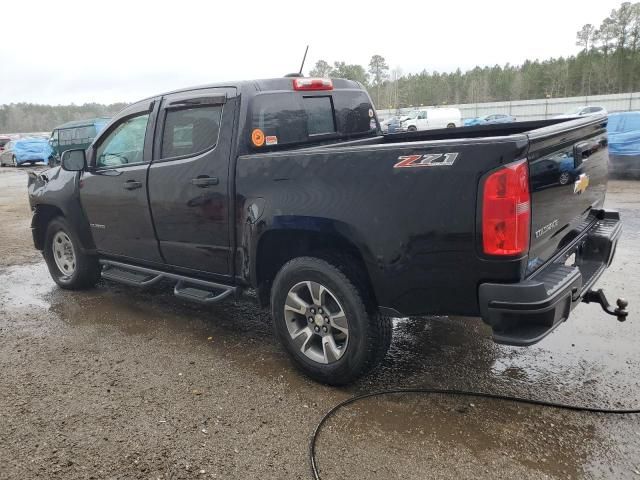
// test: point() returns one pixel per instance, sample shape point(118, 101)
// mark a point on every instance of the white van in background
point(429, 118)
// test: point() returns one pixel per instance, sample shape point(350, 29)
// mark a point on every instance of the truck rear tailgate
point(568, 175)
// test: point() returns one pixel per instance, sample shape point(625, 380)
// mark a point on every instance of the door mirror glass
point(74, 160)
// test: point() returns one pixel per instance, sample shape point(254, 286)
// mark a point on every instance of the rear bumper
point(30, 158)
point(524, 313)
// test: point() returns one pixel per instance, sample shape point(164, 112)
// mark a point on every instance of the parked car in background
point(73, 135)
point(430, 118)
point(624, 143)
point(392, 124)
point(490, 119)
point(25, 150)
point(587, 110)
point(3, 142)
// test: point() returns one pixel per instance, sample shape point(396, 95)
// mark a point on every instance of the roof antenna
point(299, 74)
point(303, 59)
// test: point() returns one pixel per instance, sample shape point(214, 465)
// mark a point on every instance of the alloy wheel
point(316, 322)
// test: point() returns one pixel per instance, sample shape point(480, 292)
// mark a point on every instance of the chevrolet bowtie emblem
point(581, 184)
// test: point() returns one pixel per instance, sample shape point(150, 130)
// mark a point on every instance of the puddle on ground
point(25, 286)
point(451, 352)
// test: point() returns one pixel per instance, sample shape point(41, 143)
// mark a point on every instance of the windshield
point(576, 111)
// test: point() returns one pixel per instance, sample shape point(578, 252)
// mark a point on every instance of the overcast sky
point(68, 51)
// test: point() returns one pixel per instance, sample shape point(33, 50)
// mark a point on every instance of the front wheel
point(69, 267)
point(412, 128)
point(320, 318)
point(451, 125)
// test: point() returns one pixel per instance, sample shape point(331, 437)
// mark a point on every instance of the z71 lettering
point(427, 160)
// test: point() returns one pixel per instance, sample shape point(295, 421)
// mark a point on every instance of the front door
point(188, 179)
point(113, 191)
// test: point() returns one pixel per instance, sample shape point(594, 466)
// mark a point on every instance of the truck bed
point(413, 224)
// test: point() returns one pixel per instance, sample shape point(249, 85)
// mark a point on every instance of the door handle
point(132, 184)
point(204, 181)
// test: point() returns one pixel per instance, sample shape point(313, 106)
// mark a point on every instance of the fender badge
point(428, 160)
point(581, 184)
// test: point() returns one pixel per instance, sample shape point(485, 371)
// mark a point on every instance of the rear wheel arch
point(277, 247)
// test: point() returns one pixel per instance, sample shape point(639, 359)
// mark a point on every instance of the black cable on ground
point(432, 391)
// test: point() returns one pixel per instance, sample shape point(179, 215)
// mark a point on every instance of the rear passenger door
point(189, 179)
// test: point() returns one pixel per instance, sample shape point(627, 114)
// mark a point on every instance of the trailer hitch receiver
point(598, 296)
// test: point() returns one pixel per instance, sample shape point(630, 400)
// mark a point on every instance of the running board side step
point(194, 289)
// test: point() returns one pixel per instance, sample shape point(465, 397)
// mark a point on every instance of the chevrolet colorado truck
point(286, 186)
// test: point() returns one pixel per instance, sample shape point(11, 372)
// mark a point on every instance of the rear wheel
point(69, 267)
point(321, 318)
point(451, 125)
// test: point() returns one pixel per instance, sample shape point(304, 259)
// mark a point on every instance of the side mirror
point(74, 160)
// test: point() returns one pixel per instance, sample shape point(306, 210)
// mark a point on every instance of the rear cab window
point(293, 118)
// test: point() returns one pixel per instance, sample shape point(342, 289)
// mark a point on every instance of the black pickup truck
point(288, 187)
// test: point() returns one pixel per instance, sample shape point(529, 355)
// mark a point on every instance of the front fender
point(55, 192)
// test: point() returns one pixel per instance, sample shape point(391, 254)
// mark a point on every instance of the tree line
point(30, 117)
point(608, 61)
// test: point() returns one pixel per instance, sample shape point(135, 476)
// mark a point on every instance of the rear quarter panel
point(415, 227)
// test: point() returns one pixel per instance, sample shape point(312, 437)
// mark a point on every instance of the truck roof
point(83, 123)
point(261, 85)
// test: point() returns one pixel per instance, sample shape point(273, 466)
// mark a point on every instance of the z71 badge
point(427, 160)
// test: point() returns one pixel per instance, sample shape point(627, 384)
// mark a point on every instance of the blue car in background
point(623, 130)
point(25, 150)
point(489, 119)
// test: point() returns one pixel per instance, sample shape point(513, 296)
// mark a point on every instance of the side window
point(189, 131)
point(66, 136)
point(124, 144)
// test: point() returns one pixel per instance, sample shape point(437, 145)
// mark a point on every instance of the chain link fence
point(539, 109)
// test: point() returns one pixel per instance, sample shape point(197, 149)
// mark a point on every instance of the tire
point(451, 125)
point(368, 334)
point(564, 178)
point(412, 128)
point(14, 162)
point(82, 272)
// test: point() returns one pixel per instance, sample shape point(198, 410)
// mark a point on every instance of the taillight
point(312, 84)
point(506, 210)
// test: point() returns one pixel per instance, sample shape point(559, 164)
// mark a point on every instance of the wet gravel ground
point(122, 383)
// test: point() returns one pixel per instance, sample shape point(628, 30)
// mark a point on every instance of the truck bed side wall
point(410, 224)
